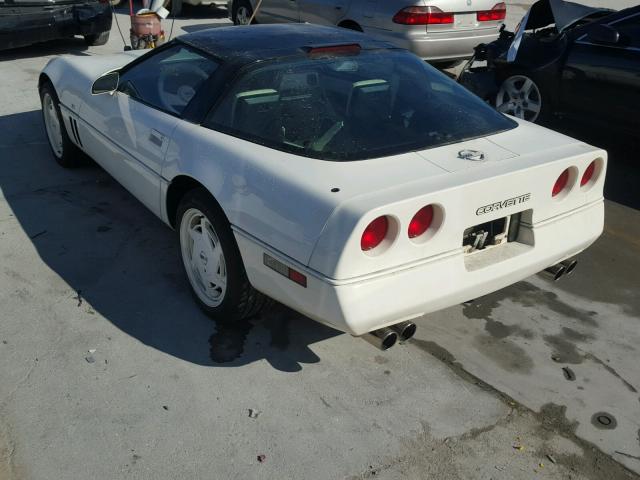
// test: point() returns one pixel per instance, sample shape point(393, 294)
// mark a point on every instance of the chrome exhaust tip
point(405, 330)
point(569, 266)
point(384, 338)
point(555, 272)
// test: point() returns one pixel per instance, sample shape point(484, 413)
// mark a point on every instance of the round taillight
point(374, 233)
point(588, 174)
point(561, 183)
point(421, 221)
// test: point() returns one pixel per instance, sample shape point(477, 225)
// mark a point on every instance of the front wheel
point(65, 152)
point(212, 261)
point(521, 97)
point(241, 12)
point(96, 39)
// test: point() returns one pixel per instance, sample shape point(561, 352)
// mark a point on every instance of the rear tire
point(97, 39)
point(241, 12)
point(176, 7)
point(212, 261)
point(64, 150)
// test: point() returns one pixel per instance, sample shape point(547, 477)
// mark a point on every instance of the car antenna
point(255, 12)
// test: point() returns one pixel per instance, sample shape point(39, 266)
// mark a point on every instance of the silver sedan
point(440, 30)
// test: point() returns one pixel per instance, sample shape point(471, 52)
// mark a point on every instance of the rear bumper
point(439, 46)
point(367, 303)
point(59, 22)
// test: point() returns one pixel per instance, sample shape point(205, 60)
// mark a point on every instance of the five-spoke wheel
point(520, 97)
point(212, 260)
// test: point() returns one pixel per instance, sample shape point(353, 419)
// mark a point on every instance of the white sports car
point(332, 172)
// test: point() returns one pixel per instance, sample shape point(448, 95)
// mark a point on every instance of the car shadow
point(120, 261)
point(65, 46)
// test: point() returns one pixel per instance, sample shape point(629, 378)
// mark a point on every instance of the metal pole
point(255, 11)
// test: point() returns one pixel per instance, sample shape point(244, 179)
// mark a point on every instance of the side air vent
point(74, 131)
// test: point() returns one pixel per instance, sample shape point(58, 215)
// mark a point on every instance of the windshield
point(356, 107)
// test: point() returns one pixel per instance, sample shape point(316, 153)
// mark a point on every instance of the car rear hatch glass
point(353, 106)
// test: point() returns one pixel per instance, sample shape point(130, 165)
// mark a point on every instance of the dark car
point(564, 59)
point(24, 22)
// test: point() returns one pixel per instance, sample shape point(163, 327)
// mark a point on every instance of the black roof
point(246, 44)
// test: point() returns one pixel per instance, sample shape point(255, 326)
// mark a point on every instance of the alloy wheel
point(52, 125)
point(203, 257)
point(520, 97)
point(243, 16)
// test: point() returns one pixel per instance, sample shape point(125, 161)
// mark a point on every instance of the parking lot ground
point(108, 370)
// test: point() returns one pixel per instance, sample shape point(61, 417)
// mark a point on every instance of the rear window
point(354, 107)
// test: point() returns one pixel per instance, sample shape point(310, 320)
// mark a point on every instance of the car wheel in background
point(212, 261)
point(64, 151)
point(97, 38)
point(241, 12)
point(520, 96)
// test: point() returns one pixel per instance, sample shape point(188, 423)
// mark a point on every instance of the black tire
point(237, 5)
point(71, 156)
point(241, 301)
point(175, 8)
point(96, 39)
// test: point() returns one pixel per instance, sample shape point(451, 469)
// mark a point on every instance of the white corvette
point(332, 172)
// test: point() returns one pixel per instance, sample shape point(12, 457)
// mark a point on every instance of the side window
point(629, 29)
point(168, 80)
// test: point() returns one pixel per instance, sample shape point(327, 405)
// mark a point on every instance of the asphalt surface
point(108, 370)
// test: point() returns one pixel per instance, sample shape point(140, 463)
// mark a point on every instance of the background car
point(326, 170)
point(565, 59)
point(442, 30)
point(23, 22)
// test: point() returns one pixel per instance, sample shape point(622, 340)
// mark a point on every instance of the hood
point(550, 12)
point(562, 14)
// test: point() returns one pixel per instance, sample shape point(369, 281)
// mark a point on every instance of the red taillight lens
point(422, 16)
point(421, 221)
point(561, 183)
point(588, 174)
point(497, 13)
point(374, 233)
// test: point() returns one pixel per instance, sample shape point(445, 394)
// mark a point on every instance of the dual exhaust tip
point(556, 272)
point(387, 337)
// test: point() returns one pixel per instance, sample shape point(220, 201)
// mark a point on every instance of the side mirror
point(604, 34)
point(107, 83)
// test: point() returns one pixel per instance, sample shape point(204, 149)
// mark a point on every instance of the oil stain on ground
point(527, 295)
point(229, 340)
point(504, 353)
point(563, 349)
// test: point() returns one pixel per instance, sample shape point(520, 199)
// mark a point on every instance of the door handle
point(156, 138)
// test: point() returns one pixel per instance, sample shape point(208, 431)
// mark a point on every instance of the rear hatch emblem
point(473, 155)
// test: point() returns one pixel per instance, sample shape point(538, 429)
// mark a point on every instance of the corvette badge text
point(511, 202)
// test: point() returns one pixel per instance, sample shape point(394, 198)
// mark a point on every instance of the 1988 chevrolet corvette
point(327, 170)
